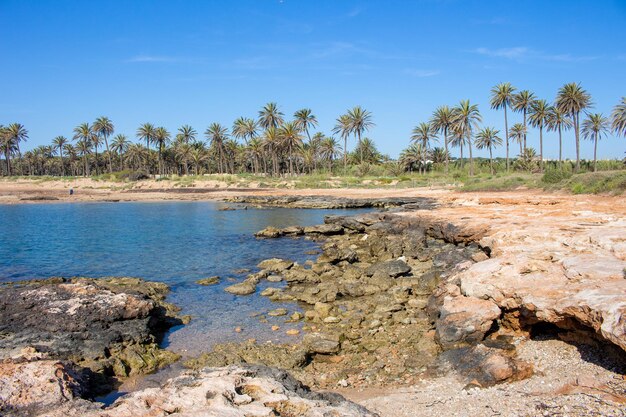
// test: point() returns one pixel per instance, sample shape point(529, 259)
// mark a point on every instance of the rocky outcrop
point(110, 326)
point(328, 202)
point(51, 389)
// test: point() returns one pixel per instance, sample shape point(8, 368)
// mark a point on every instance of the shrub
point(554, 176)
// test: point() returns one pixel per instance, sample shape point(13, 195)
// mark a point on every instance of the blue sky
point(195, 62)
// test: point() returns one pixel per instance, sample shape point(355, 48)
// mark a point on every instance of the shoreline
point(543, 223)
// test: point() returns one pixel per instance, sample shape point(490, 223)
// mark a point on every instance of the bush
point(138, 176)
point(554, 176)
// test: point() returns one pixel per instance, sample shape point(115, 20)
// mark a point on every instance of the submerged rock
point(246, 287)
point(209, 281)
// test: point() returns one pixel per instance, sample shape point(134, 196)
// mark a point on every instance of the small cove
point(172, 242)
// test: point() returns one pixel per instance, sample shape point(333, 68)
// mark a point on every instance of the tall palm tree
point(84, 136)
point(8, 147)
point(244, 128)
point(360, 122)
point(146, 132)
point(103, 126)
point(72, 155)
point(501, 98)
point(218, 134)
point(329, 149)
point(618, 118)
point(571, 100)
point(594, 127)
point(466, 118)
point(557, 121)
point(16, 133)
point(488, 138)
point(186, 133)
point(272, 141)
point(59, 144)
point(522, 103)
point(161, 139)
point(305, 119)
point(538, 117)
point(457, 140)
point(424, 134)
point(343, 128)
point(120, 145)
point(270, 116)
point(291, 139)
point(517, 133)
point(441, 121)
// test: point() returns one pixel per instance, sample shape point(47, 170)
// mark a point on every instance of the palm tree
point(59, 144)
point(8, 147)
point(136, 155)
point(558, 122)
point(255, 152)
point(517, 133)
point(441, 121)
point(84, 136)
point(245, 129)
point(218, 135)
point(103, 126)
point(161, 139)
point(272, 141)
point(595, 127)
point(291, 138)
point(501, 98)
point(342, 127)
point(522, 102)
point(16, 133)
point(488, 138)
point(360, 122)
point(329, 149)
point(571, 100)
point(457, 140)
point(72, 154)
point(424, 134)
point(466, 118)
point(305, 119)
point(539, 114)
point(413, 155)
point(198, 156)
point(120, 145)
point(186, 133)
point(618, 118)
point(146, 132)
point(270, 116)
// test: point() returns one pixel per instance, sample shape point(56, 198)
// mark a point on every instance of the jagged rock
point(275, 265)
point(108, 325)
point(324, 229)
point(350, 223)
point(464, 320)
point(243, 288)
point(320, 343)
point(293, 230)
point(209, 281)
point(269, 232)
point(393, 268)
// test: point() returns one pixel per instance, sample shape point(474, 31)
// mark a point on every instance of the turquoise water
point(173, 242)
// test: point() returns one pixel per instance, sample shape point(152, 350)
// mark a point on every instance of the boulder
point(275, 265)
point(393, 268)
point(243, 288)
point(464, 320)
point(324, 229)
point(269, 233)
point(209, 281)
point(320, 343)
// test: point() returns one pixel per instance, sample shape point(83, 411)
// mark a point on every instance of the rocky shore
point(468, 306)
point(331, 202)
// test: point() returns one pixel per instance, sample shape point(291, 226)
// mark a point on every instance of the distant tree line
point(271, 145)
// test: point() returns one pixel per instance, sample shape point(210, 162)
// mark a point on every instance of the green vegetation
point(271, 151)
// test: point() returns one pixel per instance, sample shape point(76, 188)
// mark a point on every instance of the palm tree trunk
point(8, 158)
point(97, 160)
point(577, 142)
point(490, 161)
point(469, 145)
point(445, 141)
point(506, 134)
point(541, 147)
point(106, 143)
point(524, 129)
point(345, 154)
point(290, 161)
point(360, 147)
point(595, 151)
point(560, 147)
point(462, 162)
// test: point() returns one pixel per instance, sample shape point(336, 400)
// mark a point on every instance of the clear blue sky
point(195, 62)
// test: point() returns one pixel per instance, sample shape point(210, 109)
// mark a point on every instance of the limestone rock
point(393, 268)
point(209, 281)
point(243, 288)
point(464, 320)
point(275, 265)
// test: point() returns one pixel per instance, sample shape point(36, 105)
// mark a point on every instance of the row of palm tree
point(460, 125)
point(270, 144)
point(267, 144)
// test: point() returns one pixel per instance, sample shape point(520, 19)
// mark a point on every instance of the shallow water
point(173, 242)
